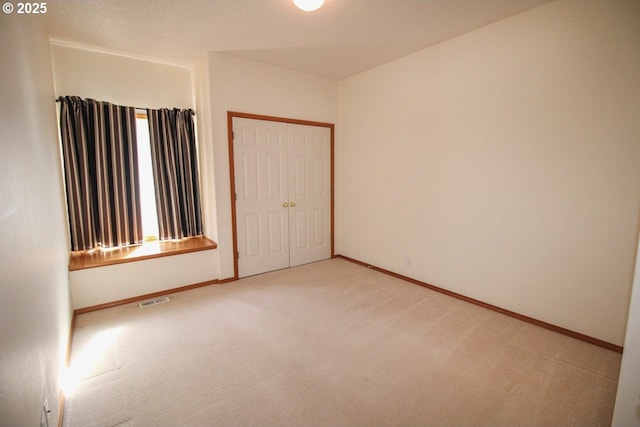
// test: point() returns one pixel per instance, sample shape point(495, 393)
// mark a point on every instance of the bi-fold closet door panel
point(283, 194)
point(309, 159)
point(260, 166)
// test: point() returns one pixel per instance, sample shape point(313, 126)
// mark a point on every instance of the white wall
point(249, 87)
point(120, 79)
point(627, 410)
point(140, 83)
point(205, 149)
point(35, 314)
point(95, 286)
point(503, 164)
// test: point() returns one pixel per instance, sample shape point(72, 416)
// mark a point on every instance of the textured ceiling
point(341, 39)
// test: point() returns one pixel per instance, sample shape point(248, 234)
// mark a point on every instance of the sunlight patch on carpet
point(90, 359)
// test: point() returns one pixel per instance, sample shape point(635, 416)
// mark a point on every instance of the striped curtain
point(101, 173)
point(175, 172)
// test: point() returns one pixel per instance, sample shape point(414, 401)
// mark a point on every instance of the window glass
point(145, 172)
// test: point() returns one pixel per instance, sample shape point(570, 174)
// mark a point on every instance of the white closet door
point(260, 165)
point(309, 194)
point(283, 194)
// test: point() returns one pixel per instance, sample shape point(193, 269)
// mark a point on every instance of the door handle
point(285, 204)
point(293, 204)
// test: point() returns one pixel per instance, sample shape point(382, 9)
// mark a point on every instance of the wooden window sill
point(147, 250)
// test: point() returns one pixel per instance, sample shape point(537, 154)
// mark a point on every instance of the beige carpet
point(330, 344)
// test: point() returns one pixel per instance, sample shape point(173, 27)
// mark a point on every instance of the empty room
point(320, 213)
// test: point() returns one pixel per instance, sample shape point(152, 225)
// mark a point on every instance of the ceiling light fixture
point(308, 5)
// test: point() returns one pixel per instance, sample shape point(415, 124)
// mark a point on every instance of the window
point(112, 205)
point(145, 176)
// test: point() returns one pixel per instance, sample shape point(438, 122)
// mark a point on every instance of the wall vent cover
point(154, 301)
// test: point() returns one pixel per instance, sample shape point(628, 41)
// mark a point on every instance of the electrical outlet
point(44, 417)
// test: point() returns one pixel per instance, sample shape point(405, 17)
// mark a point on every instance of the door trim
point(232, 177)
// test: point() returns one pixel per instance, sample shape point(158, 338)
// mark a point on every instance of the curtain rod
point(59, 99)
